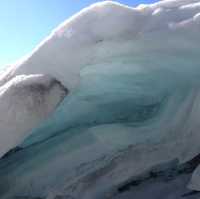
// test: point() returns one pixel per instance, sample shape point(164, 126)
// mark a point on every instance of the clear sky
point(24, 23)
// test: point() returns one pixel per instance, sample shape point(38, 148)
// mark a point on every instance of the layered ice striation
point(133, 101)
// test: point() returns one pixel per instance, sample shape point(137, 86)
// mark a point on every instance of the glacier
point(132, 101)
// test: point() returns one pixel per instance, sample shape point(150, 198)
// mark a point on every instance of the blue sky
point(24, 23)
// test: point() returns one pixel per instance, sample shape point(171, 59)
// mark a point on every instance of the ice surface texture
point(133, 80)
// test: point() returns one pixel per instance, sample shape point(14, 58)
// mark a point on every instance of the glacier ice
point(133, 101)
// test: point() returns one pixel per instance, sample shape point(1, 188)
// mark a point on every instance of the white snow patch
point(25, 101)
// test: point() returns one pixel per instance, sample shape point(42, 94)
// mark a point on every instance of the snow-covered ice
point(25, 101)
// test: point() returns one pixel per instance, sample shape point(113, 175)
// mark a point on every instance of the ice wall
point(133, 76)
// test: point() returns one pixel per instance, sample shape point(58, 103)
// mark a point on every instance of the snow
point(25, 101)
point(195, 180)
point(133, 102)
point(106, 30)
